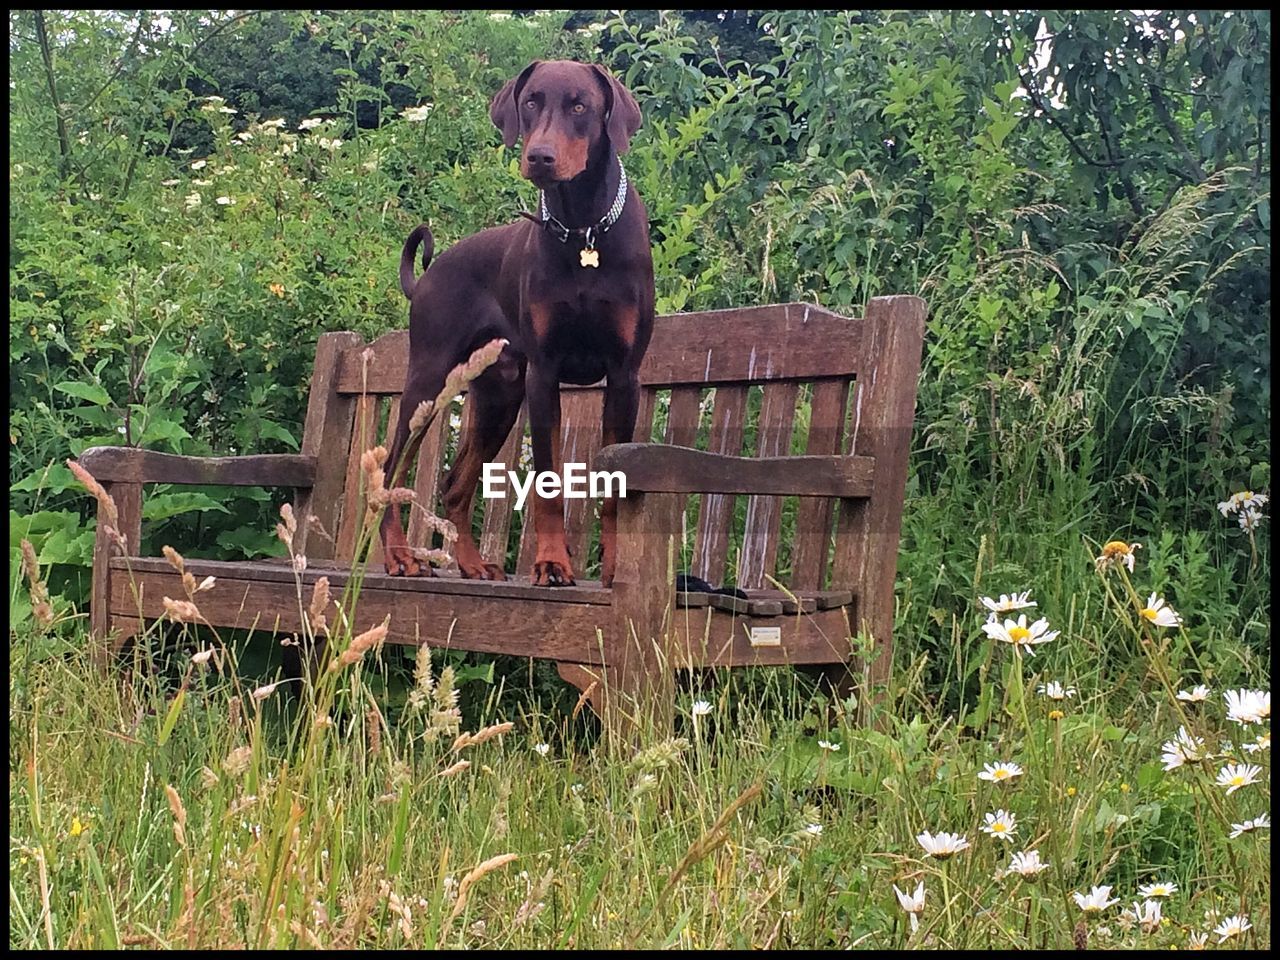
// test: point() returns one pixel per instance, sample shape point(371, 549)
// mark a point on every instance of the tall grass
point(185, 805)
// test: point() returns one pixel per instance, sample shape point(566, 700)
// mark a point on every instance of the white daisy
point(1019, 634)
point(1261, 742)
point(913, 904)
point(1160, 613)
point(943, 845)
point(225, 201)
point(1236, 775)
point(1148, 915)
point(1000, 825)
point(1248, 706)
point(1158, 889)
point(1096, 901)
point(1197, 694)
point(1196, 941)
point(310, 123)
point(1056, 691)
point(1257, 823)
point(542, 749)
point(701, 708)
point(1027, 864)
point(813, 829)
point(828, 746)
point(1244, 500)
point(1007, 604)
point(1249, 519)
point(1232, 927)
point(1000, 772)
point(1184, 748)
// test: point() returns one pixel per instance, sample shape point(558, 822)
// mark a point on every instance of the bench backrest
point(761, 381)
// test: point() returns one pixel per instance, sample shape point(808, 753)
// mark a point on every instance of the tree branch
point(1039, 104)
point(1194, 170)
point(46, 54)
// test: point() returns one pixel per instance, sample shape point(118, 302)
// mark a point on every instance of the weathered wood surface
point(741, 345)
point(454, 620)
point(133, 465)
point(813, 516)
point(883, 411)
point(764, 514)
point(658, 468)
point(856, 453)
point(715, 516)
point(328, 424)
point(706, 637)
point(127, 498)
point(518, 588)
point(363, 437)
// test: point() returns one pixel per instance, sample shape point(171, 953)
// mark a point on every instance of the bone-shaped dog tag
point(590, 258)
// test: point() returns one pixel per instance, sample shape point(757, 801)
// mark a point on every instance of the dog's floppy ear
point(624, 112)
point(504, 109)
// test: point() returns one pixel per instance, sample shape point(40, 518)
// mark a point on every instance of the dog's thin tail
point(421, 234)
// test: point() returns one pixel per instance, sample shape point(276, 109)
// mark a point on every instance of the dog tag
point(766, 636)
point(591, 258)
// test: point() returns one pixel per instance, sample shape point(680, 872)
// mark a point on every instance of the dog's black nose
point(541, 156)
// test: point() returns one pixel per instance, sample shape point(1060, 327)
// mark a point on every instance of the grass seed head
point(105, 503)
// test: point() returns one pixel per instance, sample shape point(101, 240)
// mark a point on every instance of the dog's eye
point(531, 104)
point(579, 108)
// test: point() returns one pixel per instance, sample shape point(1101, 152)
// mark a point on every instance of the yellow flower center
point(999, 827)
point(1055, 714)
point(1001, 774)
point(1247, 495)
point(1150, 613)
point(1019, 634)
point(1115, 548)
point(1071, 791)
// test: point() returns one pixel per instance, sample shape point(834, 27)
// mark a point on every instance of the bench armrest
point(663, 468)
point(132, 465)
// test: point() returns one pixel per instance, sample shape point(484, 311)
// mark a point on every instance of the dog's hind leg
point(495, 398)
point(422, 384)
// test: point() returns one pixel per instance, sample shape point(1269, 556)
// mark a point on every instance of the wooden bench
point(729, 393)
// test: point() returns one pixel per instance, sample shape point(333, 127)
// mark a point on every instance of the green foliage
point(1084, 203)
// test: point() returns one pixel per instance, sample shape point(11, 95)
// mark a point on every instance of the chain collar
point(591, 233)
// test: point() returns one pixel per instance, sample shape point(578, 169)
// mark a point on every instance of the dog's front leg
point(551, 565)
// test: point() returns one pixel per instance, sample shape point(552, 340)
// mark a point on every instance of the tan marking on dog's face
point(562, 112)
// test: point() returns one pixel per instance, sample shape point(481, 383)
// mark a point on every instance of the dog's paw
point(400, 562)
point(552, 573)
point(480, 570)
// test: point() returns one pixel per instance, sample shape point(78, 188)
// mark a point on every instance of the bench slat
point(363, 437)
point(715, 516)
point(812, 540)
point(789, 341)
point(764, 513)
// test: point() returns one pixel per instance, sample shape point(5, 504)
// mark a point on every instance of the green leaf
point(91, 392)
point(274, 431)
point(171, 718)
point(165, 505)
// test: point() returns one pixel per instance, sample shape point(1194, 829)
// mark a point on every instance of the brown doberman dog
point(571, 290)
